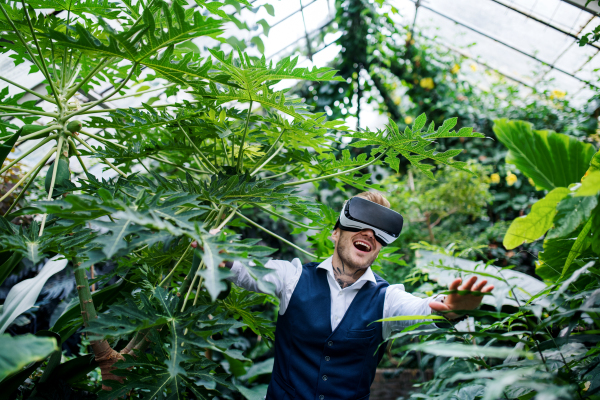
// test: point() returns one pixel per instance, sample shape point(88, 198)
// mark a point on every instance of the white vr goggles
point(358, 214)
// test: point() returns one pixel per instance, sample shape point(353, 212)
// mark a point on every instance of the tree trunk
point(430, 228)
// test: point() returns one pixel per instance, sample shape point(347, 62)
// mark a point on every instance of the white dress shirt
point(287, 274)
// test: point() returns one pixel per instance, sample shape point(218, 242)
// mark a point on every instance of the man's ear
point(335, 235)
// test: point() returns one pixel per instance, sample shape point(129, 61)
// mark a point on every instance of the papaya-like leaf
point(550, 159)
point(18, 351)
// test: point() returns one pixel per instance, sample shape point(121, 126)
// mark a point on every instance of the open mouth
point(363, 246)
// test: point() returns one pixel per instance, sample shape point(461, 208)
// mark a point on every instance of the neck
point(344, 274)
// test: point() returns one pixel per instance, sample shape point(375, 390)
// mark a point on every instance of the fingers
point(437, 306)
point(455, 284)
point(479, 285)
point(468, 284)
point(488, 289)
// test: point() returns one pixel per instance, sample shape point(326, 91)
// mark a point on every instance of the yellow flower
point(511, 179)
point(455, 68)
point(408, 120)
point(531, 182)
point(495, 178)
point(557, 94)
point(427, 83)
point(473, 67)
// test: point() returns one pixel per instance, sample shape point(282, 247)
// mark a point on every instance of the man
point(326, 344)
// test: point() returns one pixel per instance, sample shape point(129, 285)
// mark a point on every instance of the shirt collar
point(367, 276)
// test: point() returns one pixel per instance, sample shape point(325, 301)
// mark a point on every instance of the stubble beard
point(344, 253)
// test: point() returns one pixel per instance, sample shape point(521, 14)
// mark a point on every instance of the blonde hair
point(375, 197)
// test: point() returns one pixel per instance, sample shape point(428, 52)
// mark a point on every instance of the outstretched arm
point(468, 301)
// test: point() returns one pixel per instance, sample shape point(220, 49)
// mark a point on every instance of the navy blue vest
point(311, 361)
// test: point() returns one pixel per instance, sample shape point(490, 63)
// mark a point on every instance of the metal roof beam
point(543, 22)
point(495, 39)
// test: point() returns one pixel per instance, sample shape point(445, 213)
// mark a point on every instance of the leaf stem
point(170, 275)
point(267, 160)
point(103, 159)
point(38, 165)
point(38, 133)
point(41, 96)
point(108, 96)
point(85, 80)
point(337, 173)
point(199, 171)
point(240, 161)
point(291, 221)
point(101, 139)
point(59, 148)
point(42, 58)
point(28, 152)
point(282, 173)
point(210, 166)
point(143, 92)
point(259, 162)
point(26, 111)
point(33, 176)
point(274, 234)
point(74, 147)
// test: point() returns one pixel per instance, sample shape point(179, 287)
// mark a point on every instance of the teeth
point(360, 243)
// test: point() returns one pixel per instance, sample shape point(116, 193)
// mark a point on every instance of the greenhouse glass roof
point(531, 42)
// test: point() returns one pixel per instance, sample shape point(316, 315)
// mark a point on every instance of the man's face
point(356, 249)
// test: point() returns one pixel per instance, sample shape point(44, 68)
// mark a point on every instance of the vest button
point(321, 397)
point(324, 377)
point(327, 358)
point(330, 343)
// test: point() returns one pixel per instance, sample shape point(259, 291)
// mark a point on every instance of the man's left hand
point(467, 301)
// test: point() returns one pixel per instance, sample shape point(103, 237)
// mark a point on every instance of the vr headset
point(359, 214)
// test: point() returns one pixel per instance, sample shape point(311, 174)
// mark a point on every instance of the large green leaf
point(24, 294)
point(416, 145)
point(18, 351)
point(143, 40)
point(571, 213)
point(551, 159)
point(535, 224)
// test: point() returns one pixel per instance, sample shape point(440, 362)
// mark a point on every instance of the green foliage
point(17, 352)
point(552, 160)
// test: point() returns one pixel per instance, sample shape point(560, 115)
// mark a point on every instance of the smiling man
point(326, 346)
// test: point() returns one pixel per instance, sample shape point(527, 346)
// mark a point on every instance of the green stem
point(259, 162)
point(176, 265)
point(108, 110)
point(199, 285)
point(59, 149)
point(34, 112)
point(101, 139)
point(33, 176)
point(240, 161)
point(41, 96)
point(274, 234)
point(225, 155)
point(23, 42)
point(89, 76)
point(104, 99)
point(282, 173)
point(210, 166)
point(103, 159)
point(28, 152)
point(74, 147)
point(291, 221)
point(38, 133)
point(337, 173)
point(38, 165)
point(267, 160)
point(88, 311)
point(42, 58)
point(143, 92)
point(184, 169)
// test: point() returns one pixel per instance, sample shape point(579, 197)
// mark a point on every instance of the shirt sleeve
point(398, 303)
point(284, 277)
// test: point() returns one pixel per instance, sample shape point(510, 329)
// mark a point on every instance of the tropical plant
point(186, 174)
point(545, 346)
